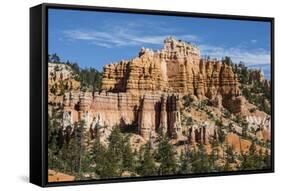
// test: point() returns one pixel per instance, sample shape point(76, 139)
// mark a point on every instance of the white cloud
point(254, 41)
point(249, 57)
point(117, 36)
point(133, 35)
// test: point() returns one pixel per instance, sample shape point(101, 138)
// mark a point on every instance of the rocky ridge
point(146, 93)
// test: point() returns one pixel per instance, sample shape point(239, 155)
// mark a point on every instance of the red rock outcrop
point(146, 90)
point(177, 68)
point(151, 112)
point(154, 70)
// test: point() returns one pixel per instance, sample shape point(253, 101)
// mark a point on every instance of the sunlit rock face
point(177, 68)
point(144, 93)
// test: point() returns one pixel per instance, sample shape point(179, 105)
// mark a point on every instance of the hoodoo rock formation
point(146, 91)
point(177, 68)
point(151, 113)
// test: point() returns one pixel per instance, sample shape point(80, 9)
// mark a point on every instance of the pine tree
point(230, 155)
point(113, 156)
point(103, 164)
point(166, 157)
point(230, 158)
point(49, 58)
point(53, 146)
point(200, 161)
point(73, 154)
point(84, 155)
point(107, 167)
point(184, 167)
point(260, 162)
point(55, 58)
point(249, 161)
point(118, 157)
point(128, 158)
point(267, 159)
point(214, 156)
point(98, 154)
point(54, 141)
point(116, 144)
point(70, 157)
point(147, 166)
point(227, 166)
point(227, 60)
point(194, 160)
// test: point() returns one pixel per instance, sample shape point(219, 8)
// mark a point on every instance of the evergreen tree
point(166, 157)
point(80, 138)
point(70, 158)
point(227, 60)
point(114, 154)
point(230, 155)
point(102, 167)
point(260, 162)
point(128, 158)
point(200, 160)
point(147, 166)
point(73, 154)
point(194, 160)
point(230, 158)
point(227, 166)
point(53, 146)
point(111, 162)
point(244, 130)
point(106, 168)
point(98, 154)
point(214, 155)
point(49, 58)
point(53, 140)
point(55, 58)
point(184, 167)
point(267, 159)
point(249, 160)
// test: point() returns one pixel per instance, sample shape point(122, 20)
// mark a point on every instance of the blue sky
point(93, 39)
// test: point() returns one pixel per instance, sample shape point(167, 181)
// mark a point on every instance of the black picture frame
point(39, 96)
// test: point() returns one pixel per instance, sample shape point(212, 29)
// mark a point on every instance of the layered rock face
point(150, 113)
point(159, 114)
point(177, 68)
point(145, 92)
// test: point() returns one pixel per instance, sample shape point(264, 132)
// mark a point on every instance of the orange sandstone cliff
point(145, 92)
